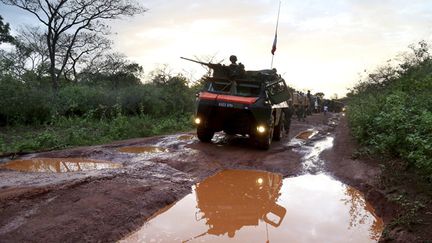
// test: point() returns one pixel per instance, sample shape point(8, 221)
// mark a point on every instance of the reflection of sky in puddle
point(142, 150)
point(306, 134)
point(252, 206)
point(311, 159)
point(302, 138)
point(185, 137)
point(59, 165)
point(179, 141)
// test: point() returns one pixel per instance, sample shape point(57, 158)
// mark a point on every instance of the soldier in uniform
point(309, 108)
point(236, 70)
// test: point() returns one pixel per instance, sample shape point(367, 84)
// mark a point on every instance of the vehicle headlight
point(260, 181)
point(197, 121)
point(261, 129)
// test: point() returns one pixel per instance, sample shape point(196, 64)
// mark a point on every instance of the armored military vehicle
point(251, 103)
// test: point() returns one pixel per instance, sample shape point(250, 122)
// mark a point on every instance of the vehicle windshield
point(220, 86)
point(247, 89)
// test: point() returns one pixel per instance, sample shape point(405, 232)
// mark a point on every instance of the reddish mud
point(109, 204)
point(58, 165)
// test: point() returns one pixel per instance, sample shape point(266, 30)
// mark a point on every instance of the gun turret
point(195, 61)
point(219, 70)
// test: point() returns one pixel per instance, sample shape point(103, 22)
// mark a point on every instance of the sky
point(322, 46)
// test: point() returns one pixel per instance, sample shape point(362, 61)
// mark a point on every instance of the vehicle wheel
point(204, 134)
point(279, 130)
point(265, 141)
point(287, 119)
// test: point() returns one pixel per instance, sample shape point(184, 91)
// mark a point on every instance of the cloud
point(322, 45)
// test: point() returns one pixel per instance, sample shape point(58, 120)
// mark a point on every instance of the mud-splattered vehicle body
point(253, 104)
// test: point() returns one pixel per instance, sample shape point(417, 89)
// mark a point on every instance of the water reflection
point(143, 150)
point(301, 138)
point(357, 204)
point(251, 206)
point(235, 199)
point(306, 134)
point(59, 165)
point(186, 137)
point(311, 154)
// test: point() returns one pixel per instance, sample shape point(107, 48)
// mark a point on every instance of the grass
point(81, 131)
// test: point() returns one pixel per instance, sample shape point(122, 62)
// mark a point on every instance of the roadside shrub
point(395, 119)
point(23, 105)
point(76, 131)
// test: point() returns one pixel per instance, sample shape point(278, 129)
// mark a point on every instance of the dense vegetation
point(61, 85)
point(390, 112)
point(34, 118)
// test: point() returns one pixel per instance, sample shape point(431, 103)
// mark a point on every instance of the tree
point(87, 47)
point(4, 32)
point(28, 61)
point(112, 69)
point(68, 19)
point(320, 94)
point(31, 41)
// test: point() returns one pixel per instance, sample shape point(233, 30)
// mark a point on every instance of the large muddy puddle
point(59, 165)
point(254, 206)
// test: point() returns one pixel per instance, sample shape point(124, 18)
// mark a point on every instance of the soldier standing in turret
point(236, 70)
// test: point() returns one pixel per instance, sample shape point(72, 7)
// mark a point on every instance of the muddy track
point(106, 205)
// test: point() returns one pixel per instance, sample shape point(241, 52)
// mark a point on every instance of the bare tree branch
point(67, 19)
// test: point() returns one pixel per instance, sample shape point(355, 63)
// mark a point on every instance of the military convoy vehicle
point(250, 103)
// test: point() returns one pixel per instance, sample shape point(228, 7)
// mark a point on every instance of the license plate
point(229, 105)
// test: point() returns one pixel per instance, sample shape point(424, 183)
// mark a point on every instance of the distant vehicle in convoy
point(251, 103)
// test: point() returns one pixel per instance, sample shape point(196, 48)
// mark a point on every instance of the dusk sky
point(322, 45)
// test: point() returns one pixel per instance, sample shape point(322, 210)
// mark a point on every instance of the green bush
point(395, 119)
point(32, 117)
point(22, 103)
point(78, 131)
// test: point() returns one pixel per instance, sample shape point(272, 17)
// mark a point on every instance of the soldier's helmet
point(233, 59)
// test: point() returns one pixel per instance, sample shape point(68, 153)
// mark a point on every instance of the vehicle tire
point(204, 134)
point(288, 112)
point(279, 130)
point(265, 141)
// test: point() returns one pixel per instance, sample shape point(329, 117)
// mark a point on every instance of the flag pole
point(271, 65)
point(275, 38)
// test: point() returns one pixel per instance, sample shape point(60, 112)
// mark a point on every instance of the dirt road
point(108, 204)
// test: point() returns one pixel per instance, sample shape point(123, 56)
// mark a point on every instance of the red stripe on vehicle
point(237, 99)
point(207, 96)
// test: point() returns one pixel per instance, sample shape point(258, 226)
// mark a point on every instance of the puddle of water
point(186, 137)
point(252, 206)
point(311, 159)
point(306, 135)
point(143, 150)
point(59, 165)
point(301, 138)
